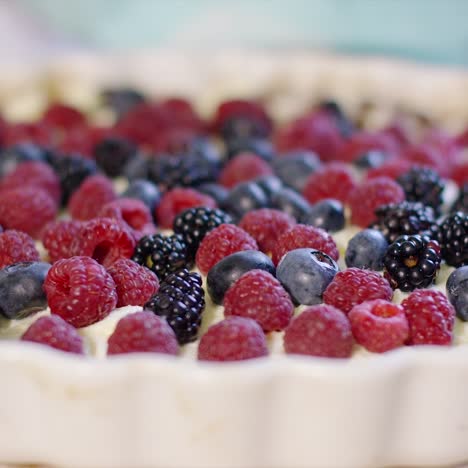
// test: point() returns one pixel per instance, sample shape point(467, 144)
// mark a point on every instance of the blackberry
point(403, 218)
point(461, 203)
point(452, 235)
point(162, 254)
point(412, 262)
point(193, 225)
point(181, 300)
point(422, 184)
point(112, 154)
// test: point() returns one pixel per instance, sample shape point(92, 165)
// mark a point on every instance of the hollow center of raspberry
point(411, 262)
point(101, 252)
point(385, 310)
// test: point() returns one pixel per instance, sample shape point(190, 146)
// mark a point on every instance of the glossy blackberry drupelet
point(162, 254)
point(461, 203)
point(422, 184)
point(112, 154)
point(181, 300)
point(193, 225)
point(412, 262)
point(405, 218)
point(452, 235)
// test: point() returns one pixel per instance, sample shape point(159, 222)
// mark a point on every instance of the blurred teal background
point(426, 30)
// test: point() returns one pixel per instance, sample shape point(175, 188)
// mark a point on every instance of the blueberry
point(228, 270)
point(216, 191)
point(11, 157)
point(291, 202)
point(112, 154)
point(327, 214)
point(145, 191)
point(366, 250)
point(244, 128)
point(121, 100)
point(457, 291)
point(294, 168)
point(370, 159)
point(137, 168)
point(305, 274)
point(21, 292)
point(259, 146)
point(206, 151)
point(270, 184)
point(244, 198)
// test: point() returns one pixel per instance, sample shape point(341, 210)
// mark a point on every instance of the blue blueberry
point(216, 191)
point(457, 291)
point(305, 274)
point(366, 250)
point(206, 151)
point(137, 167)
point(259, 146)
point(327, 214)
point(11, 157)
point(228, 270)
point(21, 292)
point(370, 159)
point(270, 184)
point(145, 191)
point(291, 202)
point(294, 168)
point(244, 198)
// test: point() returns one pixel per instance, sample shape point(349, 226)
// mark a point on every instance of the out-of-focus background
point(425, 30)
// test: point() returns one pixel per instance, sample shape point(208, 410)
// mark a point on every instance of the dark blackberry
point(72, 171)
point(112, 154)
point(403, 218)
point(452, 235)
point(162, 254)
point(412, 262)
point(181, 300)
point(193, 225)
point(461, 203)
point(422, 184)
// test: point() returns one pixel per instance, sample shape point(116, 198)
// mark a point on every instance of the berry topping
point(145, 191)
point(181, 300)
point(457, 291)
point(320, 330)
point(242, 168)
point(18, 154)
point(58, 238)
point(233, 339)
point(16, 246)
point(142, 332)
point(461, 203)
point(379, 325)
point(430, 317)
point(290, 202)
point(53, 331)
point(366, 250)
point(112, 154)
point(80, 291)
point(354, 286)
point(327, 214)
point(301, 236)
point(392, 168)
point(63, 117)
point(243, 198)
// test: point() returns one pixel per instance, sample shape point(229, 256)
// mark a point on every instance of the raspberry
point(392, 169)
point(177, 200)
point(142, 332)
point(363, 142)
point(26, 209)
point(15, 247)
point(266, 225)
point(426, 154)
point(221, 242)
point(259, 295)
point(460, 173)
point(53, 331)
point(135, 284)
point(105, 240)
point(37, 174)
point(233, 339)
point(63, 117)
point(93, 193)
point(371, 194)
point(332, 180)
point(354, 286)
point(379, 325)
point(58, 238)
point(302, 236)
point(430, 316)
point(80, 291)
point(28, 133)
point(242, 168)
point(320, 330)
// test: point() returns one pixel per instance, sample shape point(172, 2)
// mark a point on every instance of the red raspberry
point(332, 180)
point(319, 330)
point(430, 316)
point(243, 167)
point(77, 140)
point(233, 339)
point(15, 247)
point(266, 225)
point(371, 194)
point(135, 284)
point(53, 331)
point(177, 200)
point(379, 325)
point(354, 286)
point(63, 117)
point(37, 174)
point(143, 332)
point(92, 194)
point(429, 155)
point(460, 173)
point(181, 114)
point(106, 240)
point(80, 291)
point(58, 238)
point(259, 295)
point(398, 133)
point(26, 209)
point(393, 169)
point(303, 236)
point(462, 139)
point(28, 133)
point(221, 242)
point(361, 143)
